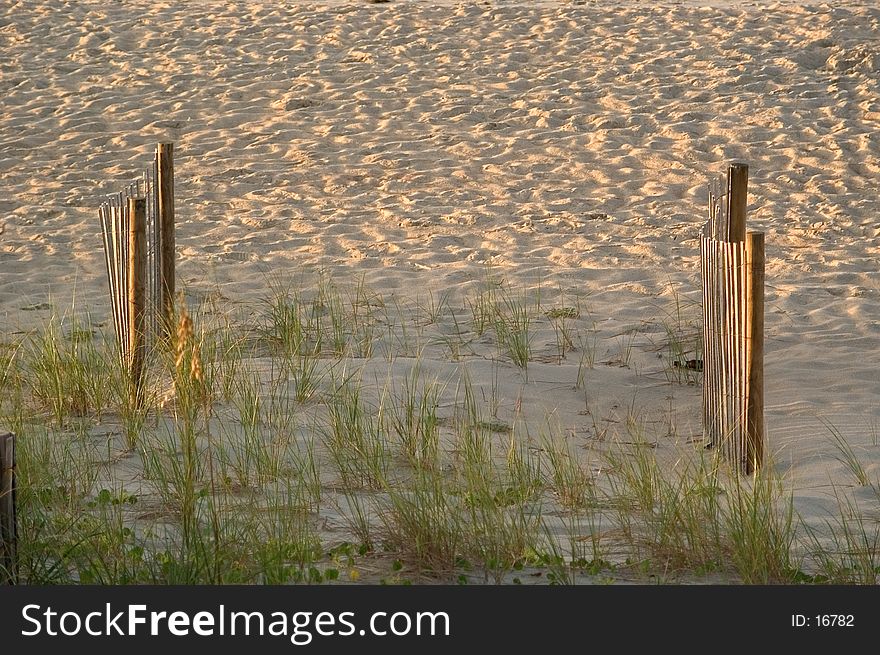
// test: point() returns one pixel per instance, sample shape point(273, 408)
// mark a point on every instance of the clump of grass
point(355, 440)
point(512, 329)
point(364, 305)
point(483, 305)
point(255, 453)
point(559, 317)
point(587, 345)
point(225, 350)
point(176, 466)
point(360, 515)
point(304, 370)
point(565, 476)
point(413, 419)
point(289, 324)
point(423, 523)
point(432, 308)
point(759, 526)
point(54, 477)
point(670, 518)
point(471, 431)
point(499, 535)
point(56, 470)
point(330, 309)
point(68, 374)
point(287, 545)
point(14, 412)
point(525, 479)
point(686, 519)
point(133, 409)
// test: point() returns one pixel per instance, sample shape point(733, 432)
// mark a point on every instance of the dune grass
point(262, 448)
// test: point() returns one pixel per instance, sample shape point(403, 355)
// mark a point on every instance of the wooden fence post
point(165, 170)
point(755, 351)
point(737, 200)
point(137, 270)
point(8, 526)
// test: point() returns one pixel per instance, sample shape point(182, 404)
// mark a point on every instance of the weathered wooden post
point(137, 272)
point(755, 352)
point(8, 524)
point(165, 183)
point(737, 200)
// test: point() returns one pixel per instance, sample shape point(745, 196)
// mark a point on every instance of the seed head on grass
point(189, 379)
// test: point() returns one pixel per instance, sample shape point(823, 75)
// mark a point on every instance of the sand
point(420, 144)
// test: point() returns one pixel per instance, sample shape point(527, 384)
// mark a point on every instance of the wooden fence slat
point(137, 269)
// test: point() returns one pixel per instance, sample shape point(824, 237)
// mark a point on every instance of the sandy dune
point(417, 144)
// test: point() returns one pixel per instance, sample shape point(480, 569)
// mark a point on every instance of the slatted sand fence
point(732, 270)
point(137, 225)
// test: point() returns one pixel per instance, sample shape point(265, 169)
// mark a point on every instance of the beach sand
point(423, 146)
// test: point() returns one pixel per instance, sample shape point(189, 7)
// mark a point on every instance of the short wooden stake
point(755, 351)
point(137, 273)
point(8, 524)
point(737, 200)
point(165, 169)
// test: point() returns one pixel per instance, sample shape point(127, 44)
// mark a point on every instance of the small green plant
point(512, 330)
point(758, 523)
point(424, 523)
point(587, 344)
point(483, 305)
point(433, 307)
point(355, 440)
point(566, 476)
point(225, 351)
point(68, 374)
point(524, 471)
point(670, 517)
point(559, 317)
point(132, 408)
point(413, 419)
point(287, 545)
